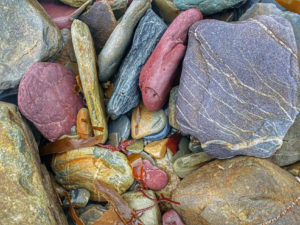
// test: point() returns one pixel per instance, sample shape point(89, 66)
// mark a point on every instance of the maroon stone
point(172, 218)
point(159, 72)
point(155, 178)
point(47, 98)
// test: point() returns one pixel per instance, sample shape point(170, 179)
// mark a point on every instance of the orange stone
point(291, 5)
point(83, 124)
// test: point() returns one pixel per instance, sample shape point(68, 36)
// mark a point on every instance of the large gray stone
point(126, 93)
point(27, 35)
point(239, 89)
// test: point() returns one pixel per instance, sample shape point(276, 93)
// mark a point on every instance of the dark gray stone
point(79, 198)
point(120, 125)
point(239, 88)
point(126, 94)
point(91, 213)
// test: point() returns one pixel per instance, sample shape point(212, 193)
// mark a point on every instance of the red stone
point(159, 72)
point(154, 178)
point(172, 218)
point(47, 98)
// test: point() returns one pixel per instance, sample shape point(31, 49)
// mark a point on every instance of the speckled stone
point(79, 198)
point(237, 103)
point(157, 149)
point(25, 40)
point(126, 93)
point(242, 190)
point(120, 125)
point(166, 9)
point(91, 213)
point(114, 49)
point(172, 107)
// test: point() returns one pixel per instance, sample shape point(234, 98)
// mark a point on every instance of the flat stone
point(114, 49)
point(83, 123)
point(244, 190)
point(271, 9)
point(159, 72)
point(172, 107)
point(136, 147)
point(91, 213)
point(172, 218)
point(157, 149)
point(24, 40)
point(79, 198)
point(145, 122)
point(136, 200)
point(46, 97)
point(207, 7)
point(126, 94)
point(101, 22)
point(24, 181)
point(166, 9)
point(186, 164)
point(239, 104)
point(86, 59)
point(74, 3)
point(120, 125)
point(79, 168)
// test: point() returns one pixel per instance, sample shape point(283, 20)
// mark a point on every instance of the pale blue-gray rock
point(79, 198)
point(91, 213)
point(120, 125)
point(239, 88)
point(126, 94)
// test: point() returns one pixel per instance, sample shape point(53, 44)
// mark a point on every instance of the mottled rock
point(157, 149)
point(101, 22)
point(271, 9)
point(114, 49)
point(159, 72)
point(166, 9)
point(83, 123)
point(244, 190)
point(86, 59)
point(120, 125)
point(126, 93)
point(207, 7)
point(172, 218)
point(24, 182)
point(136, 147)
point(79, 168)
point(235, 103)
point(46, 97)
point(145, 122)
point(24, 40)
point(91, 213)
point(74, 3)
point(79, 198)
point(172, 107)
point(114, 139)
point(136, 200)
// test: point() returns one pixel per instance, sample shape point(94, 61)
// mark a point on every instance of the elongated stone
point(172, 107)
point(24, 181)
point(120, 125)
point(27, 35)
point(114, 49)
point(167, 9)
point(83, 123)
point(79, 168)
point(86, 59)
point(126, 94)
point(235, 103)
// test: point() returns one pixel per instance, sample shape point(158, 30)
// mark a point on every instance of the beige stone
point(157, 149)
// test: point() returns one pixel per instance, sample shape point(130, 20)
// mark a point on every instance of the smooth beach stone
point(101, 22)
point(157, 149)
point(294, 169)
point(271, 9)
point(148, 157)
point(136, 200)
point(236, 103)
point(159, 72)
point(145, 122)
point(80, 167)
point(120, 125)
point(114, 139)
point(160, 135)
point(74, 3)
point(26, 194)
point(79, 198)
point(126, 94)
point(86, 59)
point(27, 35)
point(91, 213)
point(172, 218)
point(136, 147)
point(207, 7)
point(194, 145)
point(46, 97)
point(291, 5)
point(166, 9)
point(183, 149)
point(172, 107)
point(186, 164)
point(114, 49)
point(242, 190)
point(83, 123)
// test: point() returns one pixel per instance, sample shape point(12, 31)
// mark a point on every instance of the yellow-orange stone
point(83, 124)
point(157, 149)
point(291, 5)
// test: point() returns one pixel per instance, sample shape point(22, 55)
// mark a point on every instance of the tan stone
point(167, 9)
point(157, 149)
point(83, 123)
point(86, 59)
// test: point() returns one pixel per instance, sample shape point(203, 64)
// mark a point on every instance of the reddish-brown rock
point(47, 98)
point(158, 74)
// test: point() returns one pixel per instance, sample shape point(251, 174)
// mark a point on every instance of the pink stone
point(47, 98)
point(159, 72)
point(155, 178)
point(172, 218)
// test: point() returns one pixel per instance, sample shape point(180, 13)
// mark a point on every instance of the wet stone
point(91, 213)
point(136, 147)
point(120, 125)
point(155, 178)
point(83, 123)
point(114, 139)
point(79, 198)
point(157, 149)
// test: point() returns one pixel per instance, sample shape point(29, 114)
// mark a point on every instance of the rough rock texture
point(239, 90)
point(114, 49)
point(27, 35)
point(207, 7)
point(126, 94)
point(101, 22)
point(86, 59)
point(159, 72)
point(166, 9)
point(74, 3)
point(23, 180)
point(244, 190)
point(271, 9)
point(46, 97)
point(79, 168)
